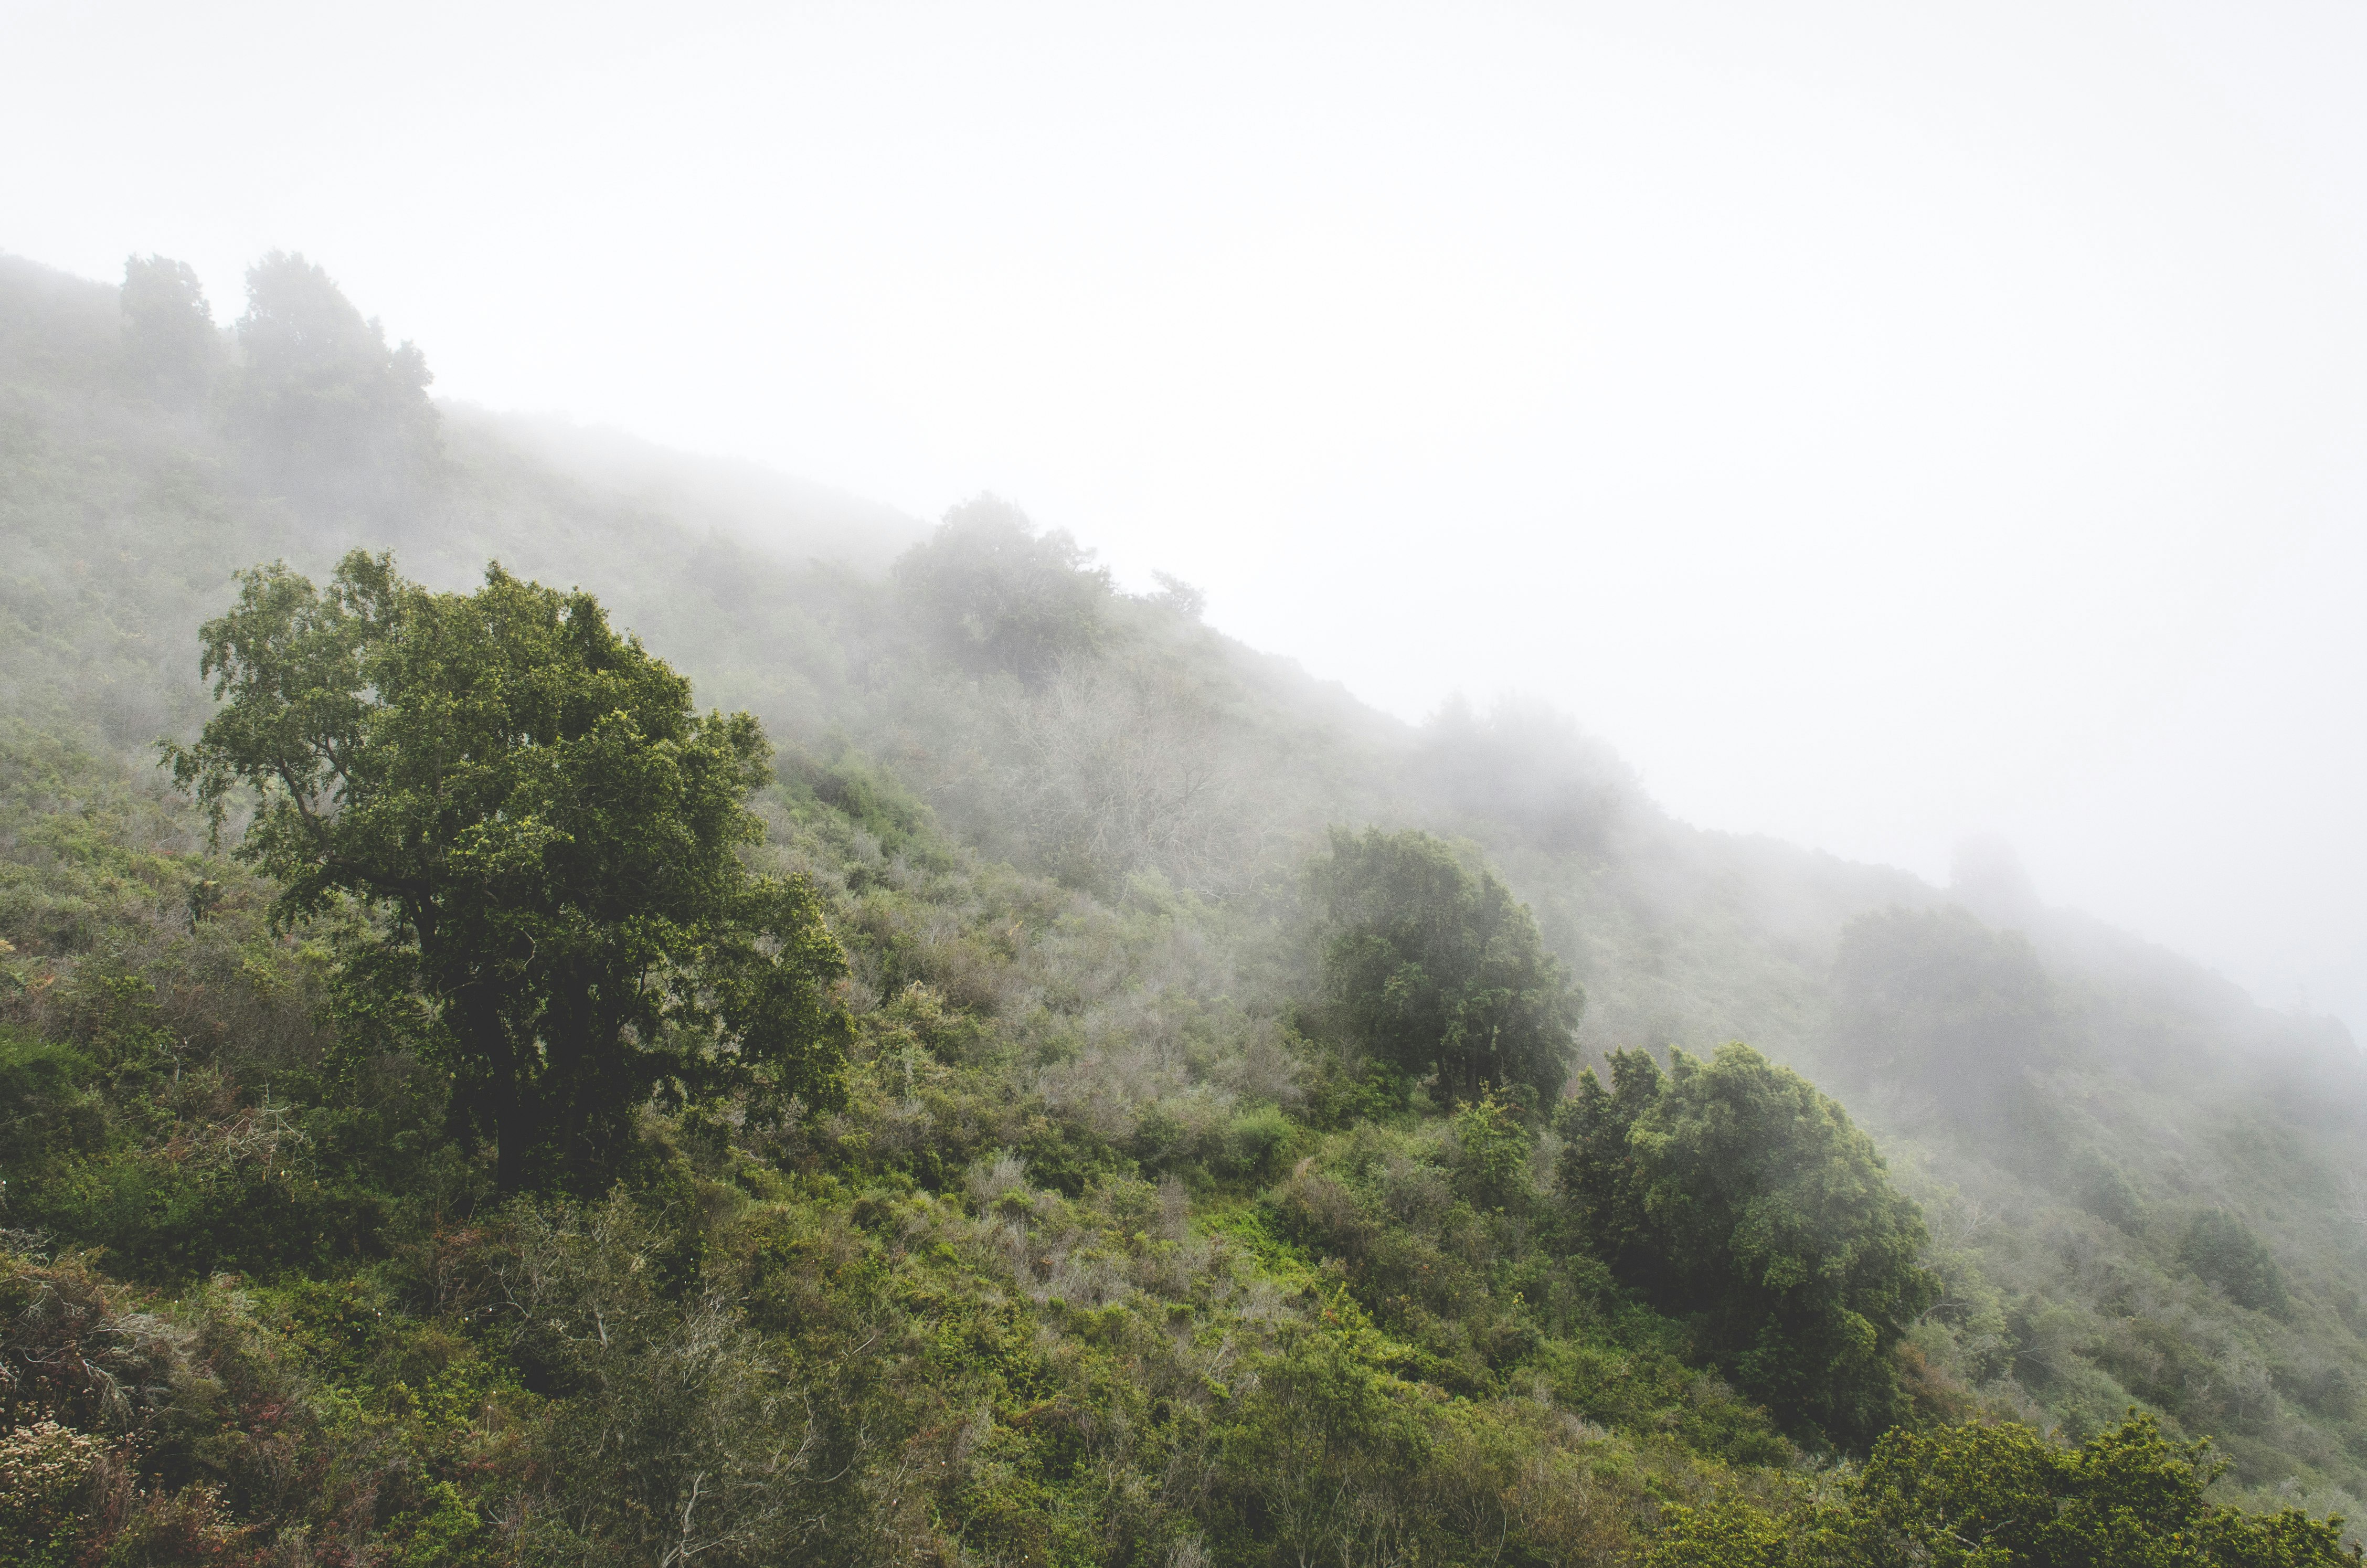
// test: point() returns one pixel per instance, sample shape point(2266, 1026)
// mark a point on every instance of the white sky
point(1882, 422)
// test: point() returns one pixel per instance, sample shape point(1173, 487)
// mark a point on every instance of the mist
point(1224, 787)
point(1882, 430)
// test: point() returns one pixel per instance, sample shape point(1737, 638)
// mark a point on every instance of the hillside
point(1121, 1246)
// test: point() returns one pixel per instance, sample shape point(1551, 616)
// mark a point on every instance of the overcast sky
point(1883, 422)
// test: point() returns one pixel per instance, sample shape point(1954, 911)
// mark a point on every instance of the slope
point(1074, 820)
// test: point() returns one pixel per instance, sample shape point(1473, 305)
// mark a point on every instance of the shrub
point(42, 1466)
point(1974, 1495)
point(1491, 1152)
point(1439, 969)
point(1732, 1192)
point(1253, 1143)
point(2219, 1248)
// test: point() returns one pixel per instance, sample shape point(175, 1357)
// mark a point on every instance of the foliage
point(683, 1436)
point(42, 1466)
point(1934, 999)
point(1491, 1151)
point(1114, 1251)
point(999, 595)
point(42, 1083)
point(2003, 1497)
point(546, 834)
point(170, 349)
point(319, 403)
point(1732, 1192)
point(1437, 969)
point(2218, 1247)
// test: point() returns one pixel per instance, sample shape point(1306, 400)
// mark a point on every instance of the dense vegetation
point(1021, 1080)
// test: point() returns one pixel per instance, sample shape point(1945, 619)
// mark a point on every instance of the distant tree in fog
point(996, 595)
point(2222, 1249)
point(1936, 1000)
point(1179, 596)
point(323, 407)
point(1528, 768)
point(170, 348)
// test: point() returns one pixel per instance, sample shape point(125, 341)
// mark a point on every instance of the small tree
point(546, 838)
point(1733, 1192)
point(1439, 969)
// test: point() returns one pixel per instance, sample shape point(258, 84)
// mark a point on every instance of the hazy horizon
point(1882, 432)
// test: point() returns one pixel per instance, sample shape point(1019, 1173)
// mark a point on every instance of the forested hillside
point(1102, 1097)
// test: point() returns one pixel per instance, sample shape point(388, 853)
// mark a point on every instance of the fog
point(1885, 429)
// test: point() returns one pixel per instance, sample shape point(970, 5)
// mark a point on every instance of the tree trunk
point(483, 1036)
point(514, 1136)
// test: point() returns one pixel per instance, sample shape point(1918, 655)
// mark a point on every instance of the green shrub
point(1253, 1144)
point(2219, 1248)
point(1491, 1152)
point(41, 1085)
point(1438, 969)
point(2002, 1496)
point(42, 1467)
point(1732, 1193)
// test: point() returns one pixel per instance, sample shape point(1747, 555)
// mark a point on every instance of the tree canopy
point(1437, 967)
point(546, 837)
point(170, 347)
point(1732, 1192)
point(996, 595)
point(322, 405)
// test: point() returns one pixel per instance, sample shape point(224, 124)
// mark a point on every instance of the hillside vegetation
point(753, 1030)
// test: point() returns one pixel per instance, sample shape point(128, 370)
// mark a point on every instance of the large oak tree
point(545, 838)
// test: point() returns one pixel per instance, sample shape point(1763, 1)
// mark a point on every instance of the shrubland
point(961, 1063)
